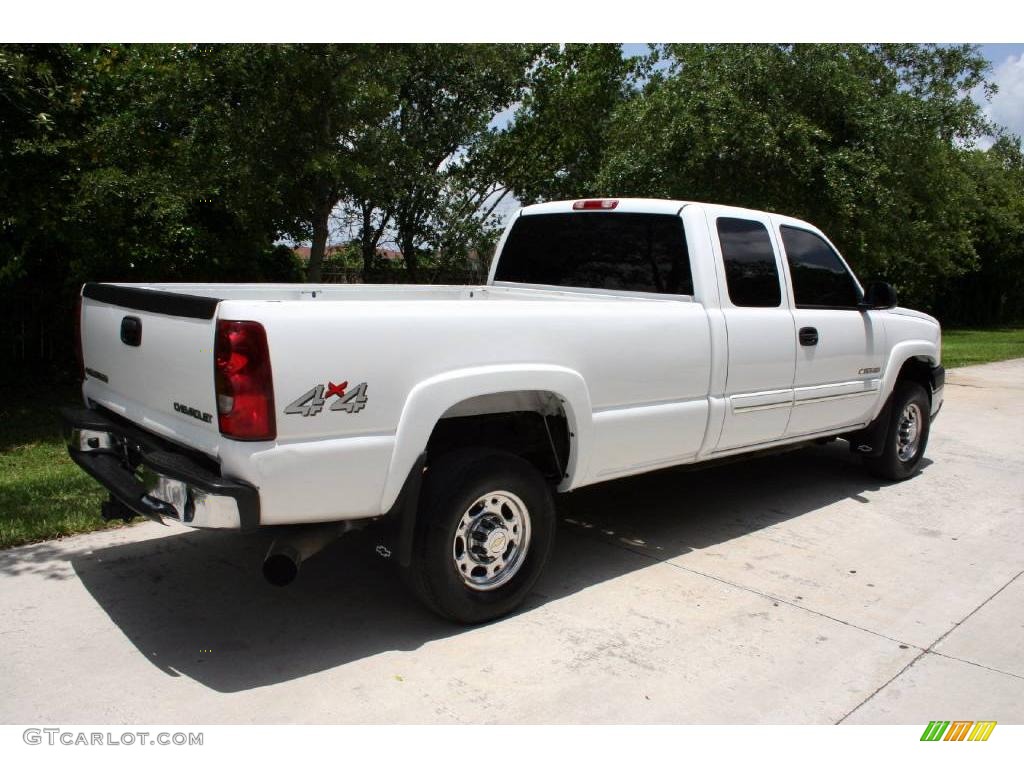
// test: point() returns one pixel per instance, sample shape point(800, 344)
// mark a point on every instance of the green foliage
point(837, 134)
point(436, 171)
point(869, 142)
point(137, 173)
point(992, 291)
point(560, 138)
point(190, 162)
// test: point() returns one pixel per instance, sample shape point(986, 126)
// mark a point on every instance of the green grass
point(43, 494)
point(970, 347)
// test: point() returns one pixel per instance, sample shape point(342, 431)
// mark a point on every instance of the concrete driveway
point(790, 589)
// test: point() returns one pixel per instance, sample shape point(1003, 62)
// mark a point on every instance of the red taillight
point(79, 357)
point(594, 205)
point(244, 383)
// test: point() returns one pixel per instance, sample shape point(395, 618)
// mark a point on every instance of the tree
point(560, 134)
point(118, 168)
point(465, 228)
point(861, 140)
point(372, 128)
point(40, 113)
point(447, 98)
point(992, 291)
point(190, 162)
point(302, 117)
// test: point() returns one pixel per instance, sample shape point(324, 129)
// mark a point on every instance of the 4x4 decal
point(312, 402)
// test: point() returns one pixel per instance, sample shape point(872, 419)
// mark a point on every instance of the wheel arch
point(909, 360)
point(473, 391)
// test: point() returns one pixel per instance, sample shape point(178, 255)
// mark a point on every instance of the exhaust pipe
point(287, 553)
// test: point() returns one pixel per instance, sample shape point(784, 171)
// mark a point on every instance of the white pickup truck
point(613, 337)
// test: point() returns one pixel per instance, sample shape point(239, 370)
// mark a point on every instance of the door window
point(820, 279)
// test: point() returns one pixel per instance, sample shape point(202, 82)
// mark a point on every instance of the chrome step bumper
point(154, 478)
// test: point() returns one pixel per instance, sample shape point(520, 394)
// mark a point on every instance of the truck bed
point(360, 292)
point(645, 361)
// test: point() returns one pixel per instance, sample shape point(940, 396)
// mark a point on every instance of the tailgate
point(148, 357)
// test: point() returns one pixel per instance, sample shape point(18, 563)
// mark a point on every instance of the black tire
point(890, 465)
point(454, 481)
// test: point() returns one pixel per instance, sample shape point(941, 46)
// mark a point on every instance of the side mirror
point(879, 295)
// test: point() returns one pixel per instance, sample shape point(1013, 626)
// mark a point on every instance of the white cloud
point(1007, 107)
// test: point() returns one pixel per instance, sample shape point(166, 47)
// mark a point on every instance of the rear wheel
point(907, 438)
point(487, 527)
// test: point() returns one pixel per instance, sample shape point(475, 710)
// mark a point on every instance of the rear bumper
point(155, 478)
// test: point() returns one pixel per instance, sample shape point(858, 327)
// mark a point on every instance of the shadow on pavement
point(195, 604)
point(46, 560)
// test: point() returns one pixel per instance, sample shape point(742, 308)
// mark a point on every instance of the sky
point(1007, 106)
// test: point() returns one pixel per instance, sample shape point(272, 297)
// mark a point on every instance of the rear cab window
point(751, 272)
point(612, 251)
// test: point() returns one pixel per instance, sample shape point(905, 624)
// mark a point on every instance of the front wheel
point(487, 528)
point(907, 438)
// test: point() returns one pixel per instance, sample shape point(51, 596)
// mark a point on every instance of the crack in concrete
point(929, 650)
point(976, 664)
point(923, 651)
point(769, 596)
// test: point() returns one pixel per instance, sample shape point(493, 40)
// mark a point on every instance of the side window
point(750, 272)
point(820, 279)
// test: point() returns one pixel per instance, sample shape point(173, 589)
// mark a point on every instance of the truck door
point(840, 349)
point(762, 351)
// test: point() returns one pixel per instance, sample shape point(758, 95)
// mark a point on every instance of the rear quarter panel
point(645, 365)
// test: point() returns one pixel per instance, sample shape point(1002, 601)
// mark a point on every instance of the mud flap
point(398, 529)
point(870, 441)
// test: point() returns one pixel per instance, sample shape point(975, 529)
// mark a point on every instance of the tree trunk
point(368, 243)
point(318, 246)
point(314, 270)
point(409, 255)
point(324, 201)
point(369, 236)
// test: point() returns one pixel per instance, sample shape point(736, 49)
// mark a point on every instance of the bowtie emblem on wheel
point(311, 402)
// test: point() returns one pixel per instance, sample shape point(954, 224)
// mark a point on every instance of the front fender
point(898, 355)
point(430, 399)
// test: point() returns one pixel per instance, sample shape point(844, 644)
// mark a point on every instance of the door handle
point(808, 336)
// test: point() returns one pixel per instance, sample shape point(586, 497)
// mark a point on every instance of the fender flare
point(898, 355)
point(430, 399)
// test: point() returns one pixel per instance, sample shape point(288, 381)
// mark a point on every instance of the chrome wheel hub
point(908, 432)
point(491, 540)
